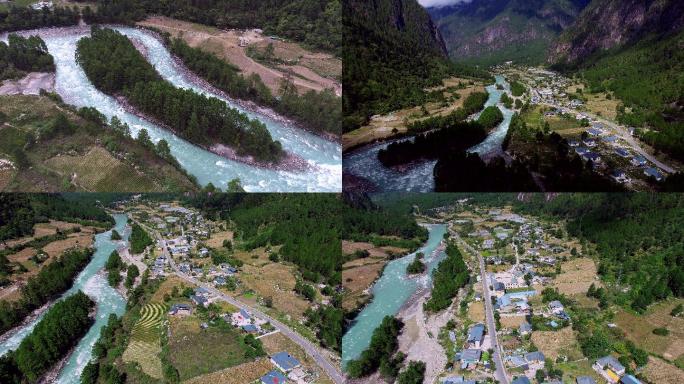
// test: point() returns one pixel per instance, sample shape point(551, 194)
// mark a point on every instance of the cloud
point(440, 3)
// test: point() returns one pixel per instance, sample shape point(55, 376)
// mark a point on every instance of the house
point(629, 379)
point(593, 156)
point(556, 307)
point(623, 152)
point(609, 367)
point(273, 377)
point(180, 309)
point(610, 139)
point(590, 143)
point(469, 358)
point(639, 161)
point(581, 150)
point(595, 131)
point(517, 361)
point(553, 324)
point(284, 361)
point(534, 357)
point(220, 280)
point(250, 328)
point(40, 5)
point(201, 291)
point(458, 380)
point(199, 300)
point(476, 335)
point(620, 176)
point(241, 318)
point(525, 328)
point(488, 244)
point(521, 380)
point(654, 173)
point(573, 143)
point(585, 380)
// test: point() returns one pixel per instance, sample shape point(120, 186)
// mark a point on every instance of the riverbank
point(31, 84)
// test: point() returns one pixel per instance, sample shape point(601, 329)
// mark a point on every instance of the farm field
point(576, 276)
point(145, 341)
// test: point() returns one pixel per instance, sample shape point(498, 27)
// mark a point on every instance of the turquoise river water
point(94, 285)
point(390, 292)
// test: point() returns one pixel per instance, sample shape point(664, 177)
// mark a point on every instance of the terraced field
point(145, 344)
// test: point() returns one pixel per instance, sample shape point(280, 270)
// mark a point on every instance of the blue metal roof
point(629, 379)
point(273, 377)
point(285, 361)
point(476, 332)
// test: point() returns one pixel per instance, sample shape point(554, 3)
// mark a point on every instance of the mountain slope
point(392, 50)
point(634, 49)
point(607, 24)
point(488, 32)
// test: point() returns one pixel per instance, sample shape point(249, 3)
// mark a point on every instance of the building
point(639, 161)
point(241, 318)
point(476, 335)
point(610, 368)
point(273, 377)
point(469, 358)
point(525, 328)
point(629, 379)
point(534, 357)
point(199, 300)
point(180, 309)
point(622, 152)
point(285, 362)
point(654, 173)
point(595, 131)
point(620, 176)
point(556, 307)
point(250, 328)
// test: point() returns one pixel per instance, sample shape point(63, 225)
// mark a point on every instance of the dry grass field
point(576, 276)
point(310, 68)
point(557, 343)
point(243, 373)
point(476, 313)
point(661, 372)
point(512, 322)
point(216, 240)
point(638, 328)
point(269, 279)
point(385, 126)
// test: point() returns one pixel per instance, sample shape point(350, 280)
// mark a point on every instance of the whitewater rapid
point(324, 157)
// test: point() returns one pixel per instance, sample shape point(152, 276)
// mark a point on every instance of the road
point(310, 349)
point(635, 146)
point(500, 373)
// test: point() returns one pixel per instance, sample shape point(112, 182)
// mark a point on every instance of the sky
point(439, 3)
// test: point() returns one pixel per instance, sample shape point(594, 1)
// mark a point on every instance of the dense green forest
point(490, 117)
point(462, 171)
point(20, 212)
point(114, 66)
point(387, 65)
point(451, 275)
point(638, 239)
point(316, 23)
point(413, 374)
point(139, 239)
point(434, 144)
point(113, 268)
point(24, 54)
point(21, 18)
point(380, 352)
point(59, 330)
point(52, 280)
point(472, 104)
point(318, 111)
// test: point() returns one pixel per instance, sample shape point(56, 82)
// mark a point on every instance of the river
point(363, 162)
point(95, 285)
point(323, 157)
point(390, 292)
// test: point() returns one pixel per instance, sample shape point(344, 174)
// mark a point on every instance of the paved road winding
point(500, 373)
point(310, 349)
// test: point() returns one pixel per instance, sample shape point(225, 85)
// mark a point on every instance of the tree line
point(114, 66)
point(318, 111)
point(52, 280)
point(139, 239)
point(316, 23)
point(451, 274)
point(381, 352)
point(60, 330)
point(18, 18)
point(24, 54)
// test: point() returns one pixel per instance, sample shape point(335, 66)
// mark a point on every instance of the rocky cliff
point(608, 24)
point(493, 31)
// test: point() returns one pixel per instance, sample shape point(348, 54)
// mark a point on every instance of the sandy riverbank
point(30, 84)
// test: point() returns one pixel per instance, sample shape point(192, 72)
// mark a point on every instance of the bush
point(661, 331)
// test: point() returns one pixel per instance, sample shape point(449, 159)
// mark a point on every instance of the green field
point(195, 351)
point(145, 343)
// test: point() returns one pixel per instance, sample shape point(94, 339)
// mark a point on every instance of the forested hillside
point(639, 239)
point(21, 211)
point(392, 50)
point(489, 32)
point(18, 18)
point(114, 66)
point(634, 50)
point(313, 22)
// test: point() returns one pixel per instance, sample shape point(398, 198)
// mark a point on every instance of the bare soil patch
point(30, 84)
point(659, 371)
point(576, 276)
point(557, 343)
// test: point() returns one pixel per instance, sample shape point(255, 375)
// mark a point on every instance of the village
point(196, 265)
point(532, 268)
point(588, 122)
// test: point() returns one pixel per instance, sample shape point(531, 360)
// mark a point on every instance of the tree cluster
point(21, 18)
point(52, 280)
point(24, 54)
point(380, 352)
point(114, 66)
point(451, 275)
point(59, 330)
